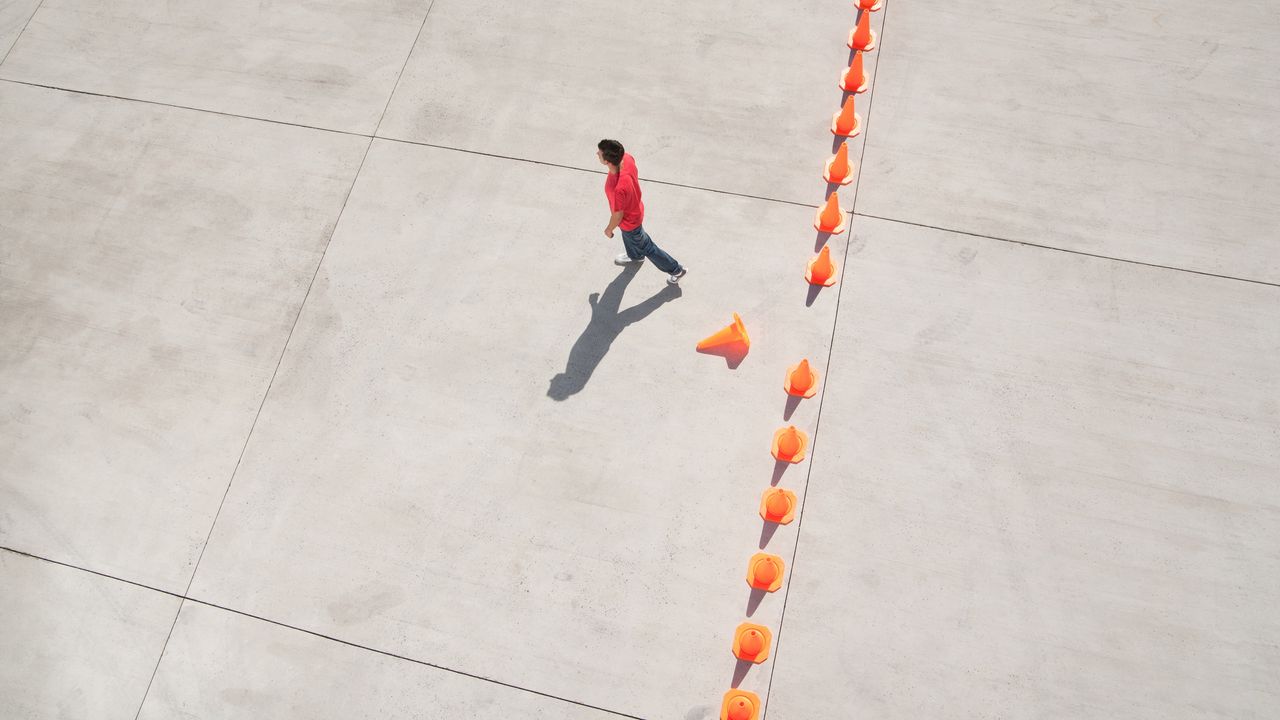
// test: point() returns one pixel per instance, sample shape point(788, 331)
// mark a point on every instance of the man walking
point(622, 187)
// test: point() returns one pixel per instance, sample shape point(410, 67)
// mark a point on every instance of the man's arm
point(614, 219)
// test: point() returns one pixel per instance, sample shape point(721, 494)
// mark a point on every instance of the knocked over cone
point(735, 333)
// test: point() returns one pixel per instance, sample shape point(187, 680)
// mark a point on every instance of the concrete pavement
point(320, 397)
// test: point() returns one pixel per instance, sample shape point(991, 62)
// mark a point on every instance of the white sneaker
point(675, 276)
point(625, 259)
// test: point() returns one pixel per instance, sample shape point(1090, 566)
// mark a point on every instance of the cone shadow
point(740, 673)
point(835, 144)
point(733, 354)
point(821, 240)
point(793, 402)
point(754, 601)
point(766, 533)
point(606, 324)
point(779, 467)
point(814, 291)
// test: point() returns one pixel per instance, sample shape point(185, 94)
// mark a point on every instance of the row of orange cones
point(831, 218)
point(751, 642)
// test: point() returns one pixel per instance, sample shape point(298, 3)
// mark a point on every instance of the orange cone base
point(808, 275)
point(844, 83)
point(773, 495)
point(826, 175)
point(740, 705)
point(804, 443)
point(829, 282)
point(752, 646)
point(857, 126)
point(813, 387)
point(756, 577)
point(841, 227)
point(871, 45)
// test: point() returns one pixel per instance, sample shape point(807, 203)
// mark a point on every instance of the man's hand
point(614, 220)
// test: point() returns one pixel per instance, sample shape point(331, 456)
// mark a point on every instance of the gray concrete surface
point(1044, 486)
point(76, 645)
point(1138, 130)
point(490, 477)
point(219, 664)
point(330, 65)
point(14, 15)
point(152, 268)
point(732, 96)
point(412, 477)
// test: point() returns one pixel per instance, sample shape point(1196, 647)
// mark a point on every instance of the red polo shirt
point(623, 190)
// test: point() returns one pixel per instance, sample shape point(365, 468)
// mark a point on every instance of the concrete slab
point(223, 665)
point(726, 95)
point(1043, 486)
point(14, 15)
point(331, 64)
point(153, 263)
point(76, 645)
point(1137, 130)
point(490, 449)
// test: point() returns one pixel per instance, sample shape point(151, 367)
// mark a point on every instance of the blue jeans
point(638, 245)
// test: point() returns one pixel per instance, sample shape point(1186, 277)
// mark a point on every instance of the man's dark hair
point(612, 151)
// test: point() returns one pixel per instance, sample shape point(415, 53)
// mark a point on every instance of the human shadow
point(606, 324)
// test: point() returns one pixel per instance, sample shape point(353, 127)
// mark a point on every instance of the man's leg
point(661, 259)
point(632, 245)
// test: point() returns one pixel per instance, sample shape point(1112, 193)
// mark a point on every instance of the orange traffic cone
point(789, 444)
point(735, 333)
point(802, 381)
point(854, 78)
point(847, 122)
point(751, 642)
point(764, 572)
point(821, 270)
point(838, 170)
point(863, 37)
point(870, 5)
point(778, 506)
point(740, 705)
point(830, 218)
